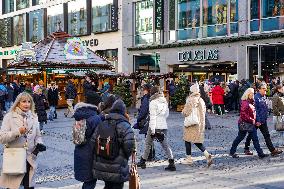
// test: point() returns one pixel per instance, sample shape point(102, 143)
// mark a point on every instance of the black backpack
point(107, 145)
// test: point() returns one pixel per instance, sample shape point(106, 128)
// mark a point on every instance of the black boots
point(171, 166)
point(142, 163)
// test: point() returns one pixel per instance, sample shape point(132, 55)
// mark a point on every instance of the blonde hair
point(23, 96)
point(246, 93)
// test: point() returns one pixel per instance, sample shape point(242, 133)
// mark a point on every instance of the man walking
point(261, 121)
point(52, 96)
point(70, 95)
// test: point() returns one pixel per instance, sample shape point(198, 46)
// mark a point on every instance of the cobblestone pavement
point(56, 165)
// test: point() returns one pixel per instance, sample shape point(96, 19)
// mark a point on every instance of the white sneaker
point(42, 132)
point(188, 160)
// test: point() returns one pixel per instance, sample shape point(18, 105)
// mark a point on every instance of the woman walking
point(40, 107)
point(19, 126)
point(278, 108)
point(247, 116)
point(195, 133)
point(159, 111)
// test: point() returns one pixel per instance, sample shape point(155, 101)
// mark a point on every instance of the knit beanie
point(118, 107)
point(195, 88)
point(93, 98)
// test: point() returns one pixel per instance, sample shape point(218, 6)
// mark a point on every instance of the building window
point(272, 15)
point(144, 19)
point(188, 19)
point(234, 17)
point(36, 25)
point(38, 2)
point(22, 4)
point(215, 18)
point(77, 18)
point(6, 36)
point(101, 15)
point(147, 63)
point(8, 6)
point(19, 29)
point(55, 19)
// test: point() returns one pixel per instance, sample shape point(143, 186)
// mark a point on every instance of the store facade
point(98, 24)
point(232, 39)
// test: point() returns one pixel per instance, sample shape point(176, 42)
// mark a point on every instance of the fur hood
point(84, 105)
point(85, 111)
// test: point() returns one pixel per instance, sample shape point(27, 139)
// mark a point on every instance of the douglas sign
point(198, 55)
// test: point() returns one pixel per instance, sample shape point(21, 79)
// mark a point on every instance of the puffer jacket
point(261, 108)
point(83, 154)
point(116, 170)
point(159, 112)
point(278, 104)
point(247, 113)
point(218, 95)
point(40, 107)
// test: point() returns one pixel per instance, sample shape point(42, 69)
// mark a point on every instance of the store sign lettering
point(7, 53)
point(159, 14)
point(198, 55)
point(91, 42)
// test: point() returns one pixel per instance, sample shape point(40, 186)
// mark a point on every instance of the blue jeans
point(41, 125)
point(90, 184)
point(8, 105)
point(241, 136)
point(51, 112)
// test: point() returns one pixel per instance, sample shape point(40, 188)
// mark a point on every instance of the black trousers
point(219, 109)
point(113, 185)
point(188, 147)
point(26, 179)
point(265, 132)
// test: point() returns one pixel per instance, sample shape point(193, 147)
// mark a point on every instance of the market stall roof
point(60, 50)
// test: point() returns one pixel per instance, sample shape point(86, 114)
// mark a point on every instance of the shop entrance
point(208, 71)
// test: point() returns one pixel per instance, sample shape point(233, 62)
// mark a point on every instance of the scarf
point(22, 113)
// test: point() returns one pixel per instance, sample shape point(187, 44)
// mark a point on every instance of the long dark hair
point(277, 88)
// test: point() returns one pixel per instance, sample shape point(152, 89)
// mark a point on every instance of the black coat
point(143, 113)
point(40, 107)
point(117, 170)
point(84, 154)
point(10, 94)
point(88, 87)
point(52, 95)
point(71, 91)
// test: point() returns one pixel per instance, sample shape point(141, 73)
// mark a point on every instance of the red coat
point(218, 94)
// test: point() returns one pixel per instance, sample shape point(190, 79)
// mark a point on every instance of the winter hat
point(118, 107)
point(154, 90)
point(93, 98)
point(195, 88)
point(108, 103)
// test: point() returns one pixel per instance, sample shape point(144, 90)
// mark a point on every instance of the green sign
point(8, 53)
point(159, 14)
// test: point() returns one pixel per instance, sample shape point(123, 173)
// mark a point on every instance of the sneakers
point(171, 166)
point(263, 156)
point(142, 163)
point(276, 152)
point(234, 155)
point(42, 132)
point(248, 153)
point(189, 160)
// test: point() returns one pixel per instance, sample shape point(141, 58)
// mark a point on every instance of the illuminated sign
point(75, 50)
point(198, 55)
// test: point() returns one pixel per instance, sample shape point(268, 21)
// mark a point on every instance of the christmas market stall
point(53, 59)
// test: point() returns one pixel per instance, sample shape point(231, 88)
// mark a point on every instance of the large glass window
point(144, 28)
point(234, 16)
point(19, 29)
point(22, 4)
point(36, 25)
point(8, 6)
point(38, 2)
point(101, 15)
point(55, 19)
point(254, 15)
point(188, 19)
point(6, 35)
point(77, 17)
point(215, 18)
point(272, 15)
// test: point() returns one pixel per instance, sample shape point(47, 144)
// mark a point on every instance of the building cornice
point(210, 41)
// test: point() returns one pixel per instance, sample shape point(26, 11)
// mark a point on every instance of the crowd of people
point(104, 138)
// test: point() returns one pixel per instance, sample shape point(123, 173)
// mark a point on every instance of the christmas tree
point(181, 93)
point(123, 90)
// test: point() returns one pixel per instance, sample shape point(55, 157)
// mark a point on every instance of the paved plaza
point(56, 165)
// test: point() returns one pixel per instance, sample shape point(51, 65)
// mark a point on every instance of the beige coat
point(10, 135)
point(195, 134)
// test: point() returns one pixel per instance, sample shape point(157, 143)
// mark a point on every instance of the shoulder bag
point(244, 126)
point(193, 118)
point(134, 179)
point(279, 125)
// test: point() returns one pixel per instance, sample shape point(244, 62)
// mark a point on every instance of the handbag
point(193, 118)
point(14, 161)
point(144, 122)
point(244, 126)
point(279, 125)
point(134, 179)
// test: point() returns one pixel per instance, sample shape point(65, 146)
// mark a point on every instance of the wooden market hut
point(52, 64)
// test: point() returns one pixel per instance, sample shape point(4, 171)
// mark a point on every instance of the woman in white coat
point(20, 126)
point(195, 133)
